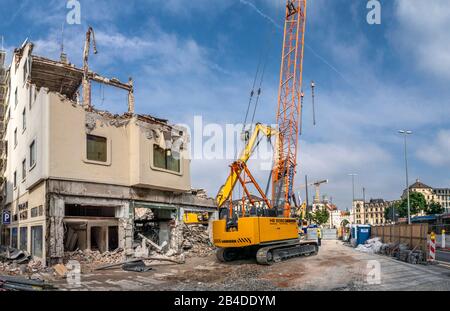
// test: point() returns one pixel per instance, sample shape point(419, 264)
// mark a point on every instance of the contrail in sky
point(261, 13)
point(272, 21)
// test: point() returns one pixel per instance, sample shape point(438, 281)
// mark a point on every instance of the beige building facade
point(369, 213)
point(73, 176)
point(438, 195)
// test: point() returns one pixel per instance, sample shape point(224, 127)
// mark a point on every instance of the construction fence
point(414, 235)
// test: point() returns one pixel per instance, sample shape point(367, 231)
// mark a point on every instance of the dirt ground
point(337, 267)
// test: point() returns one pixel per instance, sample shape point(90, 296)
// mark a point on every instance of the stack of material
point(90, 257)
point(372, 246)
point(386, 249)
point(196, 241)
point(9, 283)
point(400, 248)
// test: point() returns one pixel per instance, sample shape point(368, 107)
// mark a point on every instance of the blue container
point(363, 234)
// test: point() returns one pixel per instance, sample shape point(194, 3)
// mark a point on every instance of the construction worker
point(319, 236)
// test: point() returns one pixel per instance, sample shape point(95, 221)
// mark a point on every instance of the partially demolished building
point(78, 178)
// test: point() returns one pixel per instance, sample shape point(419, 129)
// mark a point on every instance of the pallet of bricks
point(405, 242)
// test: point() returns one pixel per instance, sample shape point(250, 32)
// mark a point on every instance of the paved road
point(443, 256)
point(336, 268)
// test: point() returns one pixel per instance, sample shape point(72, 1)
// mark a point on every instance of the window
point(33, 154)
point(24, 119)
point(25, 71)
point(36, 241)
point(166, 159)
point(16, 98)
point(24, 169)
point(24, 238)
point(15, 179)
point(15, 137)
point(14, 237)
point(96, 148)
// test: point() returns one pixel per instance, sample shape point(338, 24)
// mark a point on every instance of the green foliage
point(418, 204)
point(321, 216)
point(434, 208)
point(344, 222)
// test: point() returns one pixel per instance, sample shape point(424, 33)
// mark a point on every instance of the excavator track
point(276, 253)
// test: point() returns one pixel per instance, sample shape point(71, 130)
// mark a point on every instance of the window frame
point(165, 169)
point(16, 138)
point(108, 150)
point(33, 155)
point(24, 170)
point(24, 119)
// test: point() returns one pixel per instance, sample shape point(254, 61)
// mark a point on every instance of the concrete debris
point(196, 242)
point(372, 246)
point(94, 257)
point(29, 268)
point(10, 254)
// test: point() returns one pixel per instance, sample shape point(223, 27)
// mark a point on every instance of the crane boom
point(289, 105)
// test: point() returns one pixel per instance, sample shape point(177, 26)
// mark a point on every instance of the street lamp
point(353, 185)
point(353, 189)
point(405, 134)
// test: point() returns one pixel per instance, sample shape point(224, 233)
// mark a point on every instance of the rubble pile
point(94, 257)
point(372, 246)
point(196, 242)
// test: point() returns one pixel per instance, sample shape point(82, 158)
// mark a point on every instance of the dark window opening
point(24, 238)
point(14, 237)
point(96, 148)
point(166, 159)
point(36, 241)
point(113, 238)
point(74, 210)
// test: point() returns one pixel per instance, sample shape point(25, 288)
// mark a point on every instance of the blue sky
point(199, 57)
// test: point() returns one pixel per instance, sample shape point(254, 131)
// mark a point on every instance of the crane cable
point(262, 62)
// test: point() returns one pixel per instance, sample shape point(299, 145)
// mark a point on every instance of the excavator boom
point(226, 190)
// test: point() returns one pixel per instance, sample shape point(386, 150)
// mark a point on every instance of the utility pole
point(364, 194)
point(353, 190)
point(307, 194)
point(405, 134)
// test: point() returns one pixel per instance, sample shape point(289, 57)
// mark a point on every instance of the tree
point(418, 203)
point(321, 216)
point(434, 208)
point(344, 223)
point(392, 212)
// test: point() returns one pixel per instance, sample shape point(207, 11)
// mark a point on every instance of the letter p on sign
point(6, 217)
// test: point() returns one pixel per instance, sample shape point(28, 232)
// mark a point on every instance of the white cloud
point(423, 32)
point(437, 153)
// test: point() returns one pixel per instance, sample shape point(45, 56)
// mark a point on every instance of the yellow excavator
point(269, 233)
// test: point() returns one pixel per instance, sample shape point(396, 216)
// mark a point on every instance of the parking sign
point(6, 217)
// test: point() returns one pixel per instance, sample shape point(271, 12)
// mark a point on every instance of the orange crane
point(270, 233)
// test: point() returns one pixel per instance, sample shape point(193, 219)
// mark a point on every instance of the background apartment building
point(78, 178)
point(370, 213)
point(438, 195)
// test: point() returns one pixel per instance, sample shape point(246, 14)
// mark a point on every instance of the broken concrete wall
point(55, 229)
